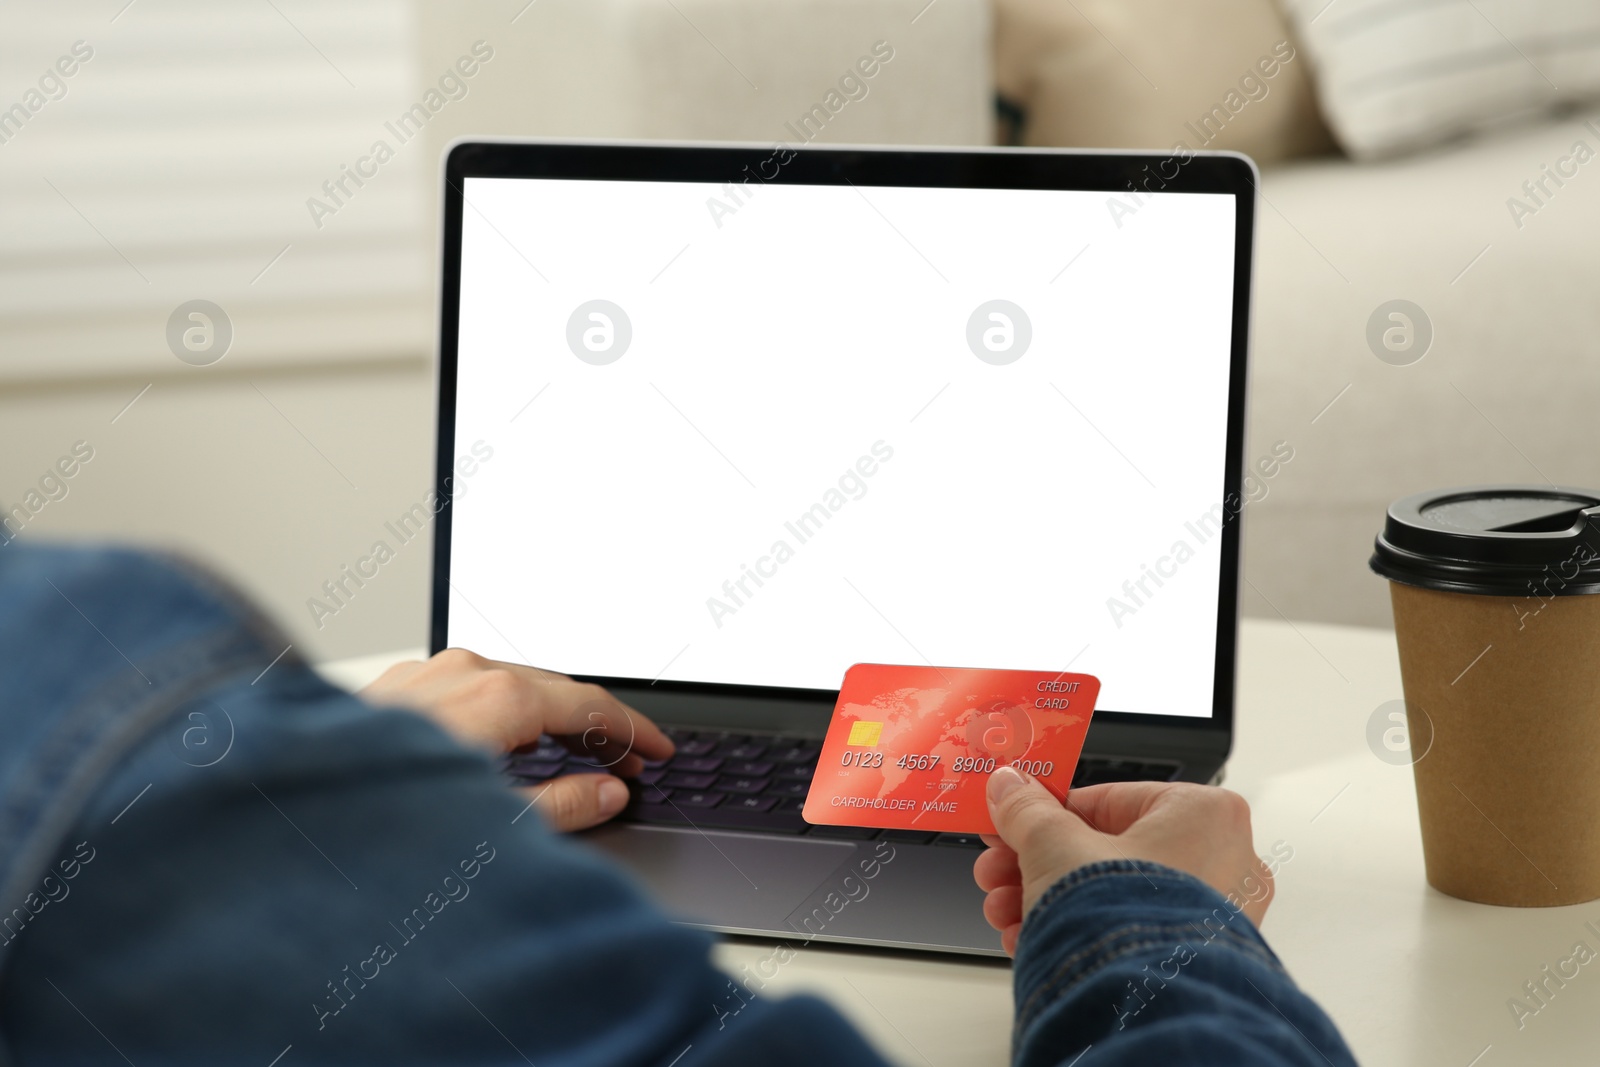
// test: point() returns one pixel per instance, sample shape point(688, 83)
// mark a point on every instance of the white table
point(1410, 976)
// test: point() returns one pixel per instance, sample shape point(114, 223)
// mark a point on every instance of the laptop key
point(747, 768)
point(743, 751)
point(753, 803)
point(679, 780)
point(1088, 769)
point(909, 837)
point(960, 840)
point(650, 776)
point(742, 785)
point(786, 788)
point(700, 799)
point(793, 754)
point(654, 794)
point(1162, 772)
point(697, 747)
point(796, 771)
point(697, 764)
point(1096, 771)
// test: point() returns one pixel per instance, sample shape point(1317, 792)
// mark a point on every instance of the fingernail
point(613, 796)
point(1002, 783)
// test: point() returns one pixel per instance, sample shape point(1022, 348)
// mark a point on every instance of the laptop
point(717, 422)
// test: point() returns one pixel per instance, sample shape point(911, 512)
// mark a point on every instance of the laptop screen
point(754, 434)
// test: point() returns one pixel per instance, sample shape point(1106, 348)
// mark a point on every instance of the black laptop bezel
point(1115, 173)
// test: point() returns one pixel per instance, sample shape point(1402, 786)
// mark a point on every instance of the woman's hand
point(1199, 829)
point(503, 706)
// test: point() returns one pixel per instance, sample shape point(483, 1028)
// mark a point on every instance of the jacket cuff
point(1105, 911)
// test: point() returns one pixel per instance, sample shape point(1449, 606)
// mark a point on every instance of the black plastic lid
point(1494, 540)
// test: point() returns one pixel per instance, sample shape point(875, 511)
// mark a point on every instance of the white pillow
point(1394, 75)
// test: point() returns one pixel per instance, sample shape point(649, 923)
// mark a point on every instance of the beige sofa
point(1504, 393)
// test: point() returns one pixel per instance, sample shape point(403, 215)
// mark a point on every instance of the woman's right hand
point(1203, 830)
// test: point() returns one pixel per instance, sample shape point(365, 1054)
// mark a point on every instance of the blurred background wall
point(184, 159)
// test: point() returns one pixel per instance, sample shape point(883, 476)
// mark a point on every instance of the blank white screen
point(772, 347)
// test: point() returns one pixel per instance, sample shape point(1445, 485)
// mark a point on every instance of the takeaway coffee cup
point(1498, 624)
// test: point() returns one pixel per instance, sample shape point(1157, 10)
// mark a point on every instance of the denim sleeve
point(349, 886)
point(1136, 963)
point(275, 873)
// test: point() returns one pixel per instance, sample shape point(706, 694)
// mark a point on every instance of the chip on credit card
point(912, 748)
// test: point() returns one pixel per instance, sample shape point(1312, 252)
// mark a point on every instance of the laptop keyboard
point(752, 781)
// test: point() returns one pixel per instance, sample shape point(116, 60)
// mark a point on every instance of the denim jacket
point(210, 855)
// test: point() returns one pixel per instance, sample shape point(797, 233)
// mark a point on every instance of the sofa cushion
point(1506, 390)
point(1213, 74)
point(1397, 74)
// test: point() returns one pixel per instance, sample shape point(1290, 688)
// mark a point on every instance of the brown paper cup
point(1508, 787)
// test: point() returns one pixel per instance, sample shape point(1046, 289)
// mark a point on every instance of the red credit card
point(912, 748)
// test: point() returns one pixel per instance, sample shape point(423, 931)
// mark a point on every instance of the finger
point(1008, 938)
point(603, 724)
point(1028, 817)
point(995, 867)
point(608, 732)
point(611, 755)
point(628, 766)
point(1003, 907)
point(479, 700)
point(578, 801)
